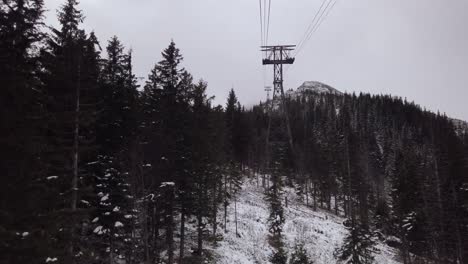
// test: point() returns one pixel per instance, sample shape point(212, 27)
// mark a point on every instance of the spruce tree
point(299, 255)
point(70, 79)
point(23, 185)
point(357, 245)
point(167, 99)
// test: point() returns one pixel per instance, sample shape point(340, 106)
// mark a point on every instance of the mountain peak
point(317, 87)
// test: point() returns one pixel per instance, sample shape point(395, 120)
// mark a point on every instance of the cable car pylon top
point(279, 54)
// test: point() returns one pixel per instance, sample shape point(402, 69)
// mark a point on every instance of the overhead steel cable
point(268, 21)
point(264, 21)
point(320, 21)
point(311, 25)
point(261, 23)
point(262, 34)
point(317, 21)
point(321, 15)
point(326, 15)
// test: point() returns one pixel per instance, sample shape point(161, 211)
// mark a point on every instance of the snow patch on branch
point(49, 260)
point(164, 184)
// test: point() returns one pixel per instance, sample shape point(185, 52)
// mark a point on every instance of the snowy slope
point(321, 231)
point(251, 246)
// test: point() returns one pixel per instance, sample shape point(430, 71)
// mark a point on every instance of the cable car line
point(323, 16)
point(311, 25)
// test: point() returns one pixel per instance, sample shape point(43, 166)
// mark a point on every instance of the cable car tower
point(277, 56)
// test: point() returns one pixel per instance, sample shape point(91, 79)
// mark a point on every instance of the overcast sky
point(416, 49)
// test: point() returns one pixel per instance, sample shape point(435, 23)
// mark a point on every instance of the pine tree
point(167, 104)
point(357, 245)
point(299, 255)
point(202, 159)
point(23, 184)
point(231, 124)
point(70, 78)
point(114, 215)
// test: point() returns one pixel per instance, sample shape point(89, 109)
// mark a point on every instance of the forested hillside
point(98, 169)
point(390, 167)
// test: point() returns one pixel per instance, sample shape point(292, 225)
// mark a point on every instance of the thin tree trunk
point(182, 235)
point(235, 213)
point(145, 233)
point(215, 213)
point(76, 134)
point(170, 229)
point(156, 226)
point(256, 176)
point(315, 196)
point(111, 252)
point(349, 181)
point(225, 203)
point(336, 203)
point(200, 223)
point(263, 179)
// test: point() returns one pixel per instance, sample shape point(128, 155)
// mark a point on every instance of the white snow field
point(322, 232)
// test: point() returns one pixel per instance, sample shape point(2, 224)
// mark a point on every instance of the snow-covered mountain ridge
point(321, 231)
point(313, 87)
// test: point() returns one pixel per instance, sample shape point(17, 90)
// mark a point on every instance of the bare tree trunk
point(170, 229)
point(145, 232)
point(156, 227)
point(336, 203)
point(263, 179)
point(182, 235)
point(111, 252)
point(215, 213)
point(348, 165)
point(74, 183)
point(256, 176)
point(200, 223)
point(321, 198)
point(235, 213)
point(225, 203)
point(199, 236)
point(315, 196)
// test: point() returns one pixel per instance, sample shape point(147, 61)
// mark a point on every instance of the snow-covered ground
point(321, 231)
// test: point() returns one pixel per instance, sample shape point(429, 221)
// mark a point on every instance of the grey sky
point(410, 48)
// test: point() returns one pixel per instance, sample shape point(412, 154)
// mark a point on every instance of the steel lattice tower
point(277, 56)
